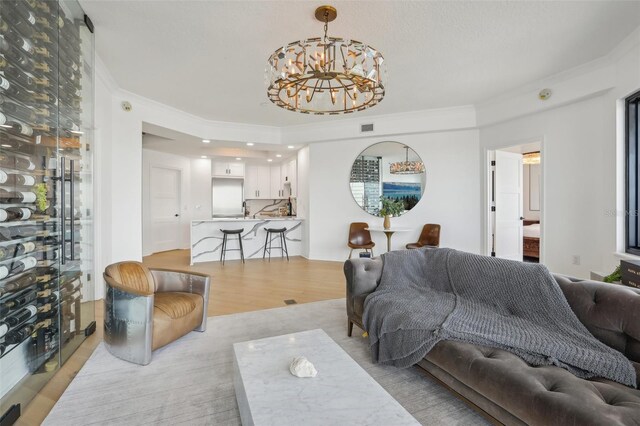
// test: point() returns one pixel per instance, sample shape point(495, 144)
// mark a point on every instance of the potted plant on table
point(390, 207)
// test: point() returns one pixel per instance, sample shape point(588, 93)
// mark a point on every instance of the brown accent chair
point(430, 236)
point(146, 309)
point(360, 238)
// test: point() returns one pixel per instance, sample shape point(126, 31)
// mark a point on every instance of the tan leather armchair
point(146, 309)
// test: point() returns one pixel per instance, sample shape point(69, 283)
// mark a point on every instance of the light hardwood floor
point(235, 287)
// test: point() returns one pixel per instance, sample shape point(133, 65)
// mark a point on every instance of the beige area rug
point(190, 381)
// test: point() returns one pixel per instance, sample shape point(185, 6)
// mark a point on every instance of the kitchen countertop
point(248, 219)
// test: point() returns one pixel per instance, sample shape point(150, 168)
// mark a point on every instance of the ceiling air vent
point(366, 128)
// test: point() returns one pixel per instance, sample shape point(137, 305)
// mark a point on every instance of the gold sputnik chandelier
point(325, 75)
point(406, 167)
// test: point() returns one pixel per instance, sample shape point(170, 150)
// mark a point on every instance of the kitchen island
point(206, 237)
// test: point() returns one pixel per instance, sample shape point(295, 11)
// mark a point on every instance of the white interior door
point(165, 205)
point(508, 203)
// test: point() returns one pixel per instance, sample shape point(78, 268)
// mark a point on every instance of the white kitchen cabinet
point(228, 169)
point(277, 182)
point(257, 182)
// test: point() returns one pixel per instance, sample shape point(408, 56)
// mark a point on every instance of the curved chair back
point(430, 235)
point(358, 234)
point(145, 309)
point(130, 276)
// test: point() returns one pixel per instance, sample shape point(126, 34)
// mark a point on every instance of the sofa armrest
point(363, 276)
point(188, 282)
point(610, 312)
point(128, 323)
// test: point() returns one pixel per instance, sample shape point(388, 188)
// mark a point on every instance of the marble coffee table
point(341, 394)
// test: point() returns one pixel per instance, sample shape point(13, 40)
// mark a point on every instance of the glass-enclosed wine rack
point(46, 226)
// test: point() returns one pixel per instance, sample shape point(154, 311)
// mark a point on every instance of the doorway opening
point(165, 188)
point(515, 202)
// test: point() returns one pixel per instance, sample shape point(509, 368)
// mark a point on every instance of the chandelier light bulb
point(322, 66)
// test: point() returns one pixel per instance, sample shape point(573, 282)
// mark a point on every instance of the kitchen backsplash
point(268, 207)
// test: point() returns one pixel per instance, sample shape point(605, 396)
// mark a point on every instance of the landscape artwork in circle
point(408, 192)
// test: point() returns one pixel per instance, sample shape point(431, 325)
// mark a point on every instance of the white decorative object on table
point(344, 394)
point(302, 367)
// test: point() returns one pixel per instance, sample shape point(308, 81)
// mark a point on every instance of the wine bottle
point(21, 315)
point(15, 38)
point(22, 163)
point(49, 254)
point(48, 299)
point(18, 213)
point(19, 232)
point(4, 272)
point(5, 234)
point(18, 283)
point(8, 178)
point(16, 197)
point(15, 250)
point(23, 264)
point(21, 128)
point(5, 159)
point(4, 328)
point(18, 301)
point(23, 22)
point(18, 336)
point(51, 313)
point(17, 110)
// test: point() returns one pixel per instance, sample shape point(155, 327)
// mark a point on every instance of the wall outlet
point(575, 259)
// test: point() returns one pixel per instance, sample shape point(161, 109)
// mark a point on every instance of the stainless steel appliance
point(227, 197)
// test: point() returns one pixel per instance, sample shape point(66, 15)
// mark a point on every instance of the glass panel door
point(75, 140)
point(46, 244)
point(29, 241)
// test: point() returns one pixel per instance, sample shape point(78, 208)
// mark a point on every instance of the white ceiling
point(208, 57)
point(161, 139)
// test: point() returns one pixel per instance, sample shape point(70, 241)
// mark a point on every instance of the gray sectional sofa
point(504, 388)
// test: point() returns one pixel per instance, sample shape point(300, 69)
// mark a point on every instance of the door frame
point(486, 156)
point(147, 216)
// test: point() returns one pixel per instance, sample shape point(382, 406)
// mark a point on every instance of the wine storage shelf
point(46, 227)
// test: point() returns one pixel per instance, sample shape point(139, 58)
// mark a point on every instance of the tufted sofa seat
point(504, 388)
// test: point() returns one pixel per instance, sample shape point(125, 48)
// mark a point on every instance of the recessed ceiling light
point(203, 156)
point(291, 147)
point(238, 158)
point(278, 155)
point(249, 143)
point(206, 141)
point(269, 159)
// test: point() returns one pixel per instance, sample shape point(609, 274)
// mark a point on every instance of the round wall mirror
point(388, 170)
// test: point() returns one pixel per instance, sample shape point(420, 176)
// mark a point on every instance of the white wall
point(579, 125)
point(573, 171)
point(195, 196)
point(160, 159)
point(200, 189)
point(303, 199)
point(582, 165)
point(451, 197)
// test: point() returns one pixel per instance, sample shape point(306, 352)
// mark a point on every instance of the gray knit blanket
point(429, 295)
